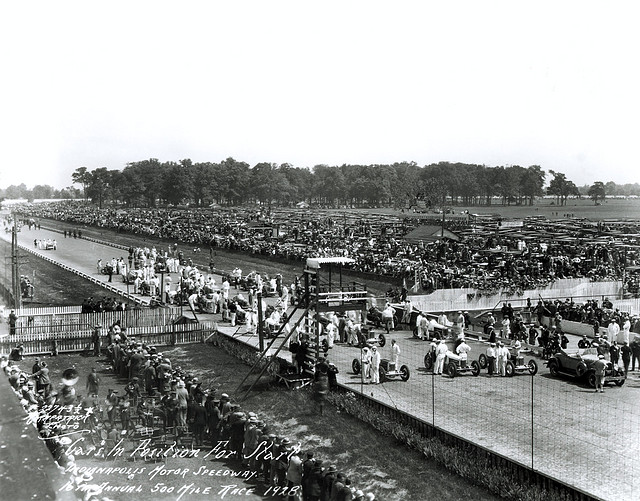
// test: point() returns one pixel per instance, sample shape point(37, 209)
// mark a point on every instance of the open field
point(583, 208)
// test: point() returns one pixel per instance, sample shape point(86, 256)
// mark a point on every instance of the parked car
point(579, 364)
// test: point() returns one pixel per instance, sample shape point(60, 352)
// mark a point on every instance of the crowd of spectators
point(165, 404)
point(482, 259)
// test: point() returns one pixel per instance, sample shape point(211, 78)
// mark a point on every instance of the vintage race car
point(579, 364)
point(434, 330)
point(515, 365)
point(374, 315)
point(386, 371)
point(367, 336)
point(247, 282)
point(453, 364)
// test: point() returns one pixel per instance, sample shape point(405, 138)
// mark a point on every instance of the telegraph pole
point(15, 271)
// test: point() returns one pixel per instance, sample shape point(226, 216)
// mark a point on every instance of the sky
point(101, 84)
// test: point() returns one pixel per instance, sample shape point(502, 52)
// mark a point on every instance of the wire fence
point(558, 426)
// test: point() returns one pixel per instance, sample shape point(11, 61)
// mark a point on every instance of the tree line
point(149, 183)
point(232, 182)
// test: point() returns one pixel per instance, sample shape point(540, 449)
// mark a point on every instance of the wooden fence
point(65, 321)
point(80, 340)
point(48, 310)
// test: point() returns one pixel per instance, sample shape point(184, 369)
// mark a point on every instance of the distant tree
point(177, 182)
point(42, 191)
point(69, 192)
point(328, 184)
point(204, 183)
point(98, 185)
point(597, 191)
point(81, 176)
point(20, 191)
point(405, 188)
point(300, 182)
point(149, 176)
point(532, 182)
point(263, 184)
point(382, 178)
point(233, 178)
point(611, 188)
point(358, 185)
point(561, 187)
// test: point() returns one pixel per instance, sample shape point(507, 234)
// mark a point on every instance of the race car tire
point(621, 382)
point(383, 374)
point(405, 373)
point(533, 367)
point(553, 369)
point(356, 367)
point(581, 369)
point(428, 362)
point(592, 379)
point(452, 370)
point(483, 361)
point(475, 368)
point(510, 369)
point(382, 340)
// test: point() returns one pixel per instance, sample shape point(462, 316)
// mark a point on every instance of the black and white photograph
point(319, 251)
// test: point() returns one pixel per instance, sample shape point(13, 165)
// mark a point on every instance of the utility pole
point(15, 271)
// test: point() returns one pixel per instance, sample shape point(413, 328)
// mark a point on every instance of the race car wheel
point(451, 369)
point(483, 361)
point(355, 366)
point(475, 368)
point(383, 374)
point(415, 332)
point(382, 340)
point(428, 362)
point(510, 369)
point(553, 369)
point(533, 367)
point(581, 369)
point(404, 373)
point(592, 379)
point(621, 382)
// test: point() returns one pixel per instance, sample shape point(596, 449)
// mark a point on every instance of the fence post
point(532, 449)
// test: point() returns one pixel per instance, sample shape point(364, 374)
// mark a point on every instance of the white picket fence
point(71, 320)
point(80, 340)
point(48, 310)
